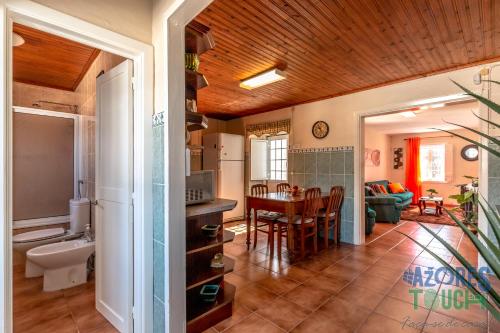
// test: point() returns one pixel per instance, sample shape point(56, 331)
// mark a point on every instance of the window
point(433, 162)
point(269, 158)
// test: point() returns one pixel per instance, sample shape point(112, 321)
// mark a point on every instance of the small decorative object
point(372, 157)
point(470, 153)
point(398, 158)
point(295, 190)
point(320, 129)
point(192, 61)
point(210, 230)
point(208, 292)
point(432, 192)
point(217, 261)
point(191, 105)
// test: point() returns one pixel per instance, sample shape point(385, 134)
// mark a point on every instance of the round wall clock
point(320, 129)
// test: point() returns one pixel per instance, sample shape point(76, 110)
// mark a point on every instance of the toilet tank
point(79, 214)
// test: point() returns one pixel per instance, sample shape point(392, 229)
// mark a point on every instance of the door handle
point(94, 202)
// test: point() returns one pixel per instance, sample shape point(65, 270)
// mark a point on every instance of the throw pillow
point(375, 188)
point(383, 189)
point(396, 188)
point(369, 191)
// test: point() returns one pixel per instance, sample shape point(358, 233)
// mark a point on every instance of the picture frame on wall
point(397, 158)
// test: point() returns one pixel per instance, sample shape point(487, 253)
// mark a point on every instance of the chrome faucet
point(88, 234)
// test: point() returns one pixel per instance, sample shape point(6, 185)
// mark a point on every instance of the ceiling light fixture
point(17, 40)
point(437, 105)
point(262, 79)
point(408, 114)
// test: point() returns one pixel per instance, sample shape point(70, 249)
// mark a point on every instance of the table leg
point(420, 207)
point(249, 221)
point(290, 213)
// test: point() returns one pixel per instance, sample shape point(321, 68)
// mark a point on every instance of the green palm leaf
point(490, 104)
point(486, 120)
point(483, 250)
point(489, 149)
point(488, 242)
point(465, 263)
point(459, 276)
point(489, 137)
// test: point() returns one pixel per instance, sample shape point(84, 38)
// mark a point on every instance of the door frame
point(43, 18)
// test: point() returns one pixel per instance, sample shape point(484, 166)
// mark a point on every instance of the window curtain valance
point(270, 128)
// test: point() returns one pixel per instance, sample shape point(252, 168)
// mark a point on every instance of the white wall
point(457, 169)
point(131, 18)
point(376, 140)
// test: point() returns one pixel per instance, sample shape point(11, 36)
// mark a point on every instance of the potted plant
point(432, 192)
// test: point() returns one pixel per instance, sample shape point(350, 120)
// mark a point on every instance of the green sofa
point(370, 215)
point(388, 207)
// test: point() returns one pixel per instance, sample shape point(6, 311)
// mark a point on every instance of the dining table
point(285, 203)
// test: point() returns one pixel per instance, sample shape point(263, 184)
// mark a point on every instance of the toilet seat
point(38, 235)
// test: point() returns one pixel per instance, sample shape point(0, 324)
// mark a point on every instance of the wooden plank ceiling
point(335, 47)
point(50, 61)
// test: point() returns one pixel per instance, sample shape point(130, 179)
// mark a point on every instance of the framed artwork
point(372, 157)
point(398, 158)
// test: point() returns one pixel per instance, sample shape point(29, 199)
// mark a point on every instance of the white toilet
point(79, 218)
point(63, 264)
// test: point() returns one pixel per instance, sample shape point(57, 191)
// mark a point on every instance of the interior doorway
point(136, 315)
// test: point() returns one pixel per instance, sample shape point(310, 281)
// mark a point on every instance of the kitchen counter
point(215, 206)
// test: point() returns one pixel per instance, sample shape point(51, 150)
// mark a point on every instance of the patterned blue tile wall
point(493, 182)
point(158, 225)
point(325, 167)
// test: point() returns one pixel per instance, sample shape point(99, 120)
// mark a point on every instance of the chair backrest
point(312, 199)
point(259, 189)
point(282, 187)
point(335, 200)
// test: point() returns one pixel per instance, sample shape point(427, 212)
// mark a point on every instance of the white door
point(231, 178)
point(114, 156)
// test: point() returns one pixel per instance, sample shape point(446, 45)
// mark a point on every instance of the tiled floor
point(68, 311)
point(345, 289)
point(382, 228)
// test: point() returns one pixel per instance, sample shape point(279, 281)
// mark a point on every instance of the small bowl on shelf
point(208, 292)
point(210, 230)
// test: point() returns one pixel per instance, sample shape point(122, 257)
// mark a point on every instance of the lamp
point(262, 79)
point(17, 40)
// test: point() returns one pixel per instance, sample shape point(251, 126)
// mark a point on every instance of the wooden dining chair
point(282, 187)
point(305, 225)
point(329, 217)
point(264, 221)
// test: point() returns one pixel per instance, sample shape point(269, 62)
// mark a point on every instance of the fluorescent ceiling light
point(408, 114)
point(263, 78)
point(437, 105)
point(441, 99)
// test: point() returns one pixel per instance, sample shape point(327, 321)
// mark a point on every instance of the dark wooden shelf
point(202, 314)
point(195, 80)
point(199, 39)
point(196, 121)
point(228, 236)
point(203, 244)
point(205, 275)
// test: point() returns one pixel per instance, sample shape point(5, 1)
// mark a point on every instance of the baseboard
point(44, 221)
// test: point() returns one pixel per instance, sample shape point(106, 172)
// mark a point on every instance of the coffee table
point(437, 210)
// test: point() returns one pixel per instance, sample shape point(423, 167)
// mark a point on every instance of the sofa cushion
point(371, 213)
point(405, 196)
point(396, 188)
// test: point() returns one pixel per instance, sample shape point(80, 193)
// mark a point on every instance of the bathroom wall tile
point(159, 270)
point(310, 180)
point(337, 162)
point(158, 316)
point(349, 186)
point(291, 156)
point(158, 212)
point(323, 163)
point(347, 232)
point(310, 162)
point(349, 163)
point(347, 211)
point(298, 163)
point(298, 179)
point(323, 182)
point(337, 180)
point(158, 155)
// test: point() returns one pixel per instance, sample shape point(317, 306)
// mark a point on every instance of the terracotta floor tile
point(399, 310)
point(240, 312)
point(274, 264)
point(327, 283)
point(363, 297)
point(62, 324)
point(314, 264)
point(254, 297)
point(341, 272)
point(296, 273)
point(253, 273)
point(440, 323)
point(320, 322)
point(278, 284)
point(253, 324)
point(345, 313)
point(284, 313)
point(377, 323)
point(108, 328)
point(373, 282)
point(308, 297)
point(236, 280)
point(401, 291)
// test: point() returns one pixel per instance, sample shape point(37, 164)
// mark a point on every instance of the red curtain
point(413, 180)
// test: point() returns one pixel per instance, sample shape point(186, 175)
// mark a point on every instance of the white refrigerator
point(225, 154)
